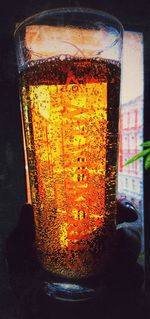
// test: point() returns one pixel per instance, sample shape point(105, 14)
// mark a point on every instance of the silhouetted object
point(20, 244)
point(26, 275)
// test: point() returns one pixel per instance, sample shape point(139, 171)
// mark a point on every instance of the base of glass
point(71, 292)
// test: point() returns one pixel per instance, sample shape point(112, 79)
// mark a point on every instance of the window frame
point(145, 30)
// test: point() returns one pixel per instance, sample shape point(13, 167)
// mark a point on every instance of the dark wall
point(12, 181)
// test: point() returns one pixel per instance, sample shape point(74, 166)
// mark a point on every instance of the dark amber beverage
point(70, 112)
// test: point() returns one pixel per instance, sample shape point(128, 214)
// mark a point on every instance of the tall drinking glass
point(69, 70)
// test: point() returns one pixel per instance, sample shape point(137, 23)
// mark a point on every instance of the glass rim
point(97, 12)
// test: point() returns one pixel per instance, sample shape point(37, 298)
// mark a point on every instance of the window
point(130, 177)
point(131, 110)
point(125, 141)
point(132, 141)
point(132, 119)
point(125, 120)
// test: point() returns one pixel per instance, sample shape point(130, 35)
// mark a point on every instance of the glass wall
point(130, 180)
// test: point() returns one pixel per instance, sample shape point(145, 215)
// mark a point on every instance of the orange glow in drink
point(69, 70)
point(72, 152)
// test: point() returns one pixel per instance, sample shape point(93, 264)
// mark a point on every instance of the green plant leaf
point(146, 144)
point(147, 162)
point(137, 156)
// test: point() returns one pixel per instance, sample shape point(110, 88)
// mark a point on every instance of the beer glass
point(69, 62)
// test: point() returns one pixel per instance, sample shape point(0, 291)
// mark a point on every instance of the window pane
point(130, 180)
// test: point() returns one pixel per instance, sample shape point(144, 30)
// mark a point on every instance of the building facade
point(130, 180)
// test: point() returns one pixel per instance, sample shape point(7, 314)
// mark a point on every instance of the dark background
point(134, 15)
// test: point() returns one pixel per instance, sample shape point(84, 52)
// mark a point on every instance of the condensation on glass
point(69, 66)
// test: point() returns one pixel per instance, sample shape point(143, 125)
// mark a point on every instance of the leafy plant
point(144, 153)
